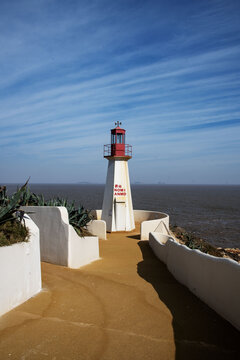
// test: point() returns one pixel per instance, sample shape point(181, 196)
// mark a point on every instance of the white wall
point(98, 228)
point(82, 250)
point(59, 242)
point(53, 225)
point(20, 270)
point(214, 280)
point(151, 221)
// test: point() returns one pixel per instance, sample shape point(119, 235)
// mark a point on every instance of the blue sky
point(168, 70)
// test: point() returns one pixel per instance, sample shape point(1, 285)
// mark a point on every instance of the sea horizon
point(132, 184)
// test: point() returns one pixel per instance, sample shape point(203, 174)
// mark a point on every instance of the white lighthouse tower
point(117, 209)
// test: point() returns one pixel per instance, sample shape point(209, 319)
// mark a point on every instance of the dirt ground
point(124, 306)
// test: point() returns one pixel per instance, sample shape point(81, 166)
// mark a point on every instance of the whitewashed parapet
point(59, 242)
point(151, 221)
point(20, 270)
point(214, 280)
point(98, 228)
point(81, 250)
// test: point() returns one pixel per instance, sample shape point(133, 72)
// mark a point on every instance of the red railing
point(107, 150)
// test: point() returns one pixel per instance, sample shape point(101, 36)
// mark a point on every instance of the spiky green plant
point(9, 205)
point(4, 199)
point(12, 225)
point(31, 199)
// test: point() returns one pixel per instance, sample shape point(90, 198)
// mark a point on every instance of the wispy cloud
point(168, 71)
point(210, 125)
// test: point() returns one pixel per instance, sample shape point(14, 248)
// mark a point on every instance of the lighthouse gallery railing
point(107, 150)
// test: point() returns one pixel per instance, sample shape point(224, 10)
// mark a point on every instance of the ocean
point(209, 211)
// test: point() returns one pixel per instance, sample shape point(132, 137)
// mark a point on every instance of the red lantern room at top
point(118, 148)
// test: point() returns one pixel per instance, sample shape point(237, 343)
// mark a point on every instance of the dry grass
point(194, 242)
point(12, 232)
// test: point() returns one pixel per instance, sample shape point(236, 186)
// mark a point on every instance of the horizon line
point(136, 184)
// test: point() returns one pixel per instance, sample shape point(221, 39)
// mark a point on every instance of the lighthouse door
point(120, 216)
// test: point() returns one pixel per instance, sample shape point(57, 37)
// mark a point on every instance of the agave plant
point(9, 205)
point(80, 217)
point(31, 199)
point(37, 200)
point(4, 199)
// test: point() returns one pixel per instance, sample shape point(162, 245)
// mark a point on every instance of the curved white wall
point(145, 215)
point(59, 242)
point(151, 221)
point(20, 270)
point(214, 280)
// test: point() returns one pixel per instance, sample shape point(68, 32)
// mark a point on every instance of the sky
point(168, 70)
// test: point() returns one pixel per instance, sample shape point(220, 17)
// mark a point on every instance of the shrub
point(12, 232)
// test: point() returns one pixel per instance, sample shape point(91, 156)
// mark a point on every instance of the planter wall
point(59, 242)
point(214, 280)
point(20, 270)
point(97, 227)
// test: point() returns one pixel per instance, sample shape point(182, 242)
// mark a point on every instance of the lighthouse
point(117, 209)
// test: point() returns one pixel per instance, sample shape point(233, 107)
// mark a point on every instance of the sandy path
point(124, 306)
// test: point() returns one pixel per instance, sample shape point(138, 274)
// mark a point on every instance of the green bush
point(9, 206)
point(12, 232)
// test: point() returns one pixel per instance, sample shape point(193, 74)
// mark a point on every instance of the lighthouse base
point(117, 210)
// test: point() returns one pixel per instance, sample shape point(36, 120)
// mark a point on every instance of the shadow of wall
point(199, 332)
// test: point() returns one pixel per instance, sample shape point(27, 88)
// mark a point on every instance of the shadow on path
point(199, 332)
point(137, 237)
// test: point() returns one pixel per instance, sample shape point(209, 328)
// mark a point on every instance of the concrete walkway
point(124, 306)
